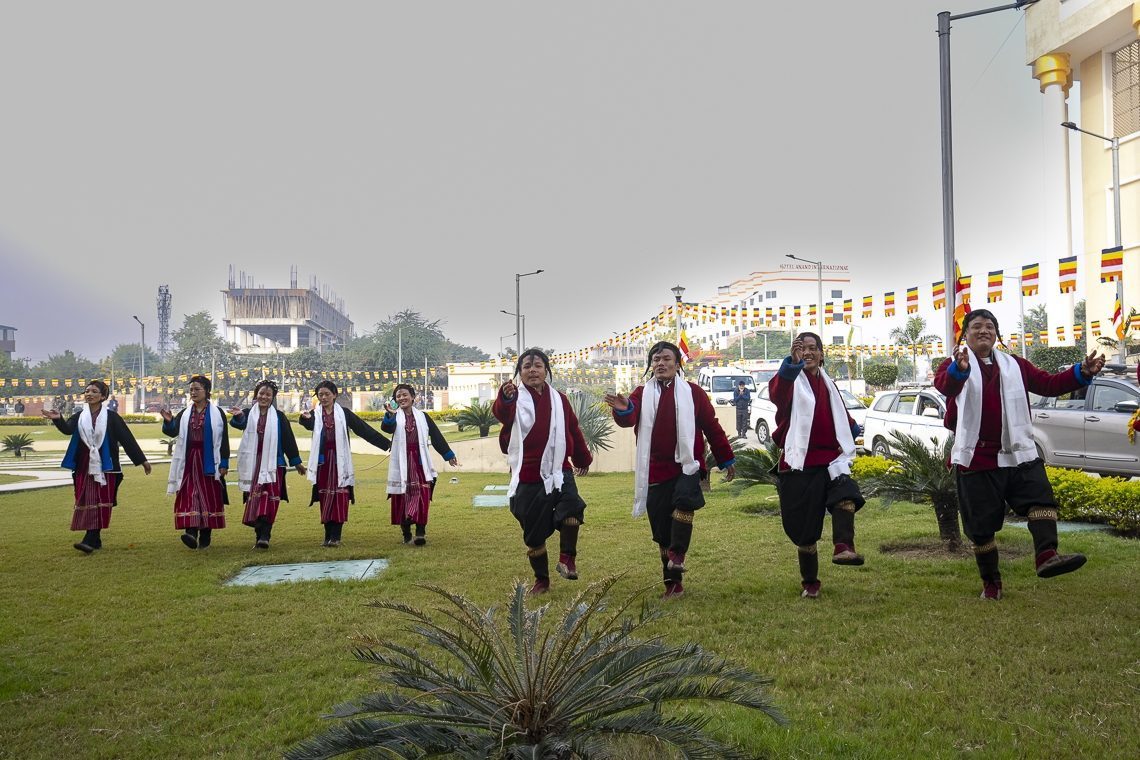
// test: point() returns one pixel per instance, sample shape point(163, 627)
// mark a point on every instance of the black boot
point(843, 535)
point(809, 570)
point(540, 564)
point(1043, 528)
point(328, 533)
point(204, 538)
point(190, 538)
point(87, 545)
point(406, 530)
point(421, 535)
point(682, 534)
point(335, 533)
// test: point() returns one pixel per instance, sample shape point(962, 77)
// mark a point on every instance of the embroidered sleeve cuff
point(294, 461)
point(225, 464)
point(1081, 375)
point(956, 373)
point(726, 465)
point(449, 456)
point(628, 411)
point(789, 370)
point(508, 399)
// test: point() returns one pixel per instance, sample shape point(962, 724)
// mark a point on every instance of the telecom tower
point(163, 320)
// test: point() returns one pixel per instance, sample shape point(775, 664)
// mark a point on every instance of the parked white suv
point(763, 417)
point(917, 411)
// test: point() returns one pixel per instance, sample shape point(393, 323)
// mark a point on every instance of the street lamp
point(678, 291)
point(819, 282)
point(142, 365)
point(1118, 241)
point(519, 318)
point(508, 335)
point(948, 265)
point(520, 333)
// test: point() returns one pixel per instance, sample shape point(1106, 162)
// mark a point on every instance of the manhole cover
point(344, 570)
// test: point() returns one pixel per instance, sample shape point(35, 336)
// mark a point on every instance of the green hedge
point(130, 419)
point(1109, 501)
point(445, 415)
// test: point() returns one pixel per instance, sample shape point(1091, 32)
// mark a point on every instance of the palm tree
point(757, 467)
point(477, 415)
point(912, 336)
point(511, 687)
point(595, 421)
point(18, 444)
point(920, 474)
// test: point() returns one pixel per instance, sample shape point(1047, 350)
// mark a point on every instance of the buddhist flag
point(1029, 276)
point(796, 316)
point(684, 346)
point(867, 301)
point(1078, 332)
point(1067, 274)
point(783, 316)
point(938, 291)
point(829, 313)
point(1044, 336)
point(1118, 319)
point(912, 300)
point(847, 308)
point(961, 301)
point(889, 304)
point(1060, 333)
point(1094, 327)
point(812, 314)
point(1112, 264)
point(993, 286)
point(769, 316)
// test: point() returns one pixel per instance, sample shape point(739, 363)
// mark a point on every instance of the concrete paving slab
point(341, 570)
point(496, 488)
point(486, 500)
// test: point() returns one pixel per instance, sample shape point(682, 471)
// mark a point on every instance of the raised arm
point(580, 455)
point(438, 442)
point(126, 439)
point(238, 418)
point(366, 431)
point(625, 410)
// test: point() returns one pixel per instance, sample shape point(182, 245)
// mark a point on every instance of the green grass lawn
point(5, 479)
point(138, 651)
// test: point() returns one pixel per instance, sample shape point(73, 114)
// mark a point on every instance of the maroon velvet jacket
point(535, 442)
point(663, 463)
point(950, 383)
point(823, 446)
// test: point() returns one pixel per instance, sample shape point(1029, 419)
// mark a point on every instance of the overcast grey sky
point(417, 154)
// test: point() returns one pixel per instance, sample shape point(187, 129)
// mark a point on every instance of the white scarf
point(1016, 426)
point(247, 454)
point(686, 435)
point(799, 426)
point(92, 433)
point(398, 462)
point(345, 475)
point(554, 454)
point(178, 460)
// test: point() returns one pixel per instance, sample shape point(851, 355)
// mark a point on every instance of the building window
point(1125, 70)
point(837, 340)
point(770, 294)
point(837, 294)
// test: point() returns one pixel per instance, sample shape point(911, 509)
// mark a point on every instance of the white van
point(720, 382)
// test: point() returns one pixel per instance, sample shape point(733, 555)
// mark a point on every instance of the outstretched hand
point(307, 414)
point(962, 358)
point(1093, 364)
point(235, 411)
point(509, 389)
point(797, 351)
point(51, 414)
point(729, 473)
point(617, 401)
point(166, 415)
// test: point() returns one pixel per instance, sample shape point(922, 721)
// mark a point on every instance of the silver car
point(1088, 428)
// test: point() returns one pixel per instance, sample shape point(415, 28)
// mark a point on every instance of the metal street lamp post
point(678, 291)
point(1118, 241)
point(520, 323)
point(819, 283)
point(142, 366)
point(1020, 309)
point(519, 331)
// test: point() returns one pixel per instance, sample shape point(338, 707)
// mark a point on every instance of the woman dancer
point(199, 465)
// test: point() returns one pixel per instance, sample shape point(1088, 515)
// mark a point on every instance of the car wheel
point(762, 433)
point(881, 449)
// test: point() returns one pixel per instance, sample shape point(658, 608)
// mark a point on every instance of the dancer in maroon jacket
point(817, 441)
point(672, 419)
point(994, 456)
point(541, 438)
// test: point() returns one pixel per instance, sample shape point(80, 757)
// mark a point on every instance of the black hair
point(537, 353)
point(102, 386)
point(662, 345)
point(818, 342)
point(203, 381)
point(406, 387)
point(327, 384)
point(981, 314)
point(265, 384)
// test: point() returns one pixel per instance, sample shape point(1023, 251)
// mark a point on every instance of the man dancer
point(817, 438)
point(672, 419)
point(995, 459)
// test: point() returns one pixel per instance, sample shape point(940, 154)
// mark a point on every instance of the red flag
point(961, 302)
point(684, 346)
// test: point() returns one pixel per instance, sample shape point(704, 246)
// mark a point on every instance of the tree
point(125, 360)
point(419, 338)
point(779, 344)
point(1036, 320)
point(67, 365)
point(912, 336)
point(508, 686)
point(197, 345)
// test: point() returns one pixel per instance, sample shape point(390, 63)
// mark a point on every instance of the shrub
point(595, 421)
point(478, 415)
point(1055, 358)
point(24, 421)
point(881, 375)
point(1108, 501)
point(509, 686)
point(17, 444)
point(869, 466)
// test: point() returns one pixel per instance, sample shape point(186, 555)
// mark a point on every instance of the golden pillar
point(1055, 69)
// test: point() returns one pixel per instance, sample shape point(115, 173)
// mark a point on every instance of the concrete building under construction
point(264, 320)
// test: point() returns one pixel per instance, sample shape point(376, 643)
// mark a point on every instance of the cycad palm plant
point(595, 421)
point(756, 467)
point(18, 443)
point(477, 415)
point(920, 474)
point(581, 687)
